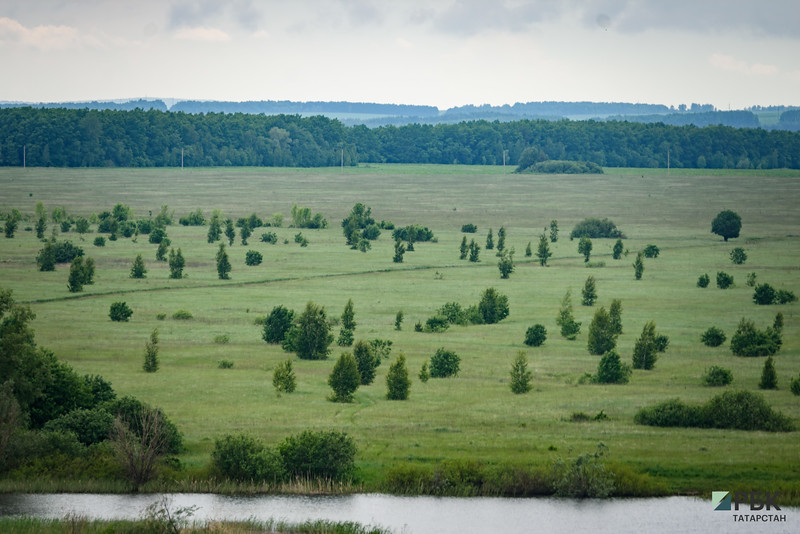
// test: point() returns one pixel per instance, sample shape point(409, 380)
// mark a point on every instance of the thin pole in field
point(181, 159)
point(24, 156)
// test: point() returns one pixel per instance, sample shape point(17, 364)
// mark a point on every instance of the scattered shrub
point(182, 315)
point(89, 426)
point(713, 337)
point(584, 476)
point(277, 324)
point(794, 386)
point(611, 370)
point(99, 241)
point(520, 375)
point(120, 311)
point(751, 280)
point(436, 323)
point(769, 378)
point(397, 381)
point(738, 256)
point(717, 376)
point(345, 378)
point(225, 364)
point(651, 251)
point(244, 458)
point(469, 228)
point(222, 339)
point(444, 363)
point(784, 296)
point(724, 280)
point(283, 378)
point(161, 316)
point(750, 341)
point(535, 336)
point(764, 294)
point(253, 257)
point(65, 251)
point(269, 237)
point(493, 306)
point(703, 280)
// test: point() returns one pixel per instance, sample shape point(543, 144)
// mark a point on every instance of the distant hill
point(127, 105)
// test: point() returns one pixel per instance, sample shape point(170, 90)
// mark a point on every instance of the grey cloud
point(469, 17)
point(243, 14)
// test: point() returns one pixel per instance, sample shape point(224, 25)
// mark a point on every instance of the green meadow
point(473, 417)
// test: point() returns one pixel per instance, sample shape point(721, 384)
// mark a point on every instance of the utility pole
point(24, 156)
point(181, 159)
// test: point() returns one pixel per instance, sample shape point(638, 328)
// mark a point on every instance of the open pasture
point(473, 416)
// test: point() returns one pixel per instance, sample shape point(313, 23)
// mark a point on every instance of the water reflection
point(421, 515)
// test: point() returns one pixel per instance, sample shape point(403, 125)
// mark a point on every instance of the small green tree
point(138, 269)
point(528, 250)
point(230, 231)
point(277, 324)
point(344, 379)
point(366, 360)
point(41, 226)
point(489, 240)
point(348, 325)
point(703, 280)
point(520, 375)
point(245, 232)
point(397, 382)
point(506, 263)
point(777, 323)
point(76, 275)
point(795, 385)
point(120, 312)
point(463, 249)
point(493, 306)
point(727, 224)
point(424, 374)
point(616, 252)
point(536, 335)
point(611, 370)
point(751, 280)
point(553, 231)
point(717, 376)
point(46, 259)
point(253, 258)
point(589, 292)
point(474, 251)
point(214, 227)
point(566, 320)
point(645, 350)
point(769, 378)
point(501, 240)
point(176, 263)
point(400, 250)
point(543, 251)
point(738, 256)
point(161, 251)
point(638, 266)
point(223, 263)
point(615, 312)
point(311, 336)
point(444, 363)
point(12, 223)
point(283, 378)
point(585, 248)
point(764, 294)
point(602, 337)
point(151, 353)
point(651, 251)
point(398, 320)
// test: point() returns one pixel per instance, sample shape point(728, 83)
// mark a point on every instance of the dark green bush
point(319, 454)
point(245, 458)
point(444, 363)
point(564, 167)
point(717, 376)
point(120, 311)
point(703, 280)
point(436, 323)
point(182, 315)
point(89, 426)
point(277, 324)
point(65, 251)
point(536, 335)
point(595, 228)
point(724, 280)
point(269, 237)
point(794, 385)
point(713, 337)
point(611, 370)
point(469, 228)
point(99, 241)
point(764, 294)
point(454, 313)
point(740, 410)
point(493, 306)
point(651, 251)
point(157, 235)
point(784, 296)
point(253, 257)
point(130, 410)
point(750, 341)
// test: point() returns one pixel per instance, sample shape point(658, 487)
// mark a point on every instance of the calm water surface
point(424, 515)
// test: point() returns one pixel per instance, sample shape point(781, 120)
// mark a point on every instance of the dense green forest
point(137, 138)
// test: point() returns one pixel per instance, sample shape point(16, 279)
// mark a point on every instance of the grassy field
point(473, 416)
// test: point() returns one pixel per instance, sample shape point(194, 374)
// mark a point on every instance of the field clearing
point(473, 416)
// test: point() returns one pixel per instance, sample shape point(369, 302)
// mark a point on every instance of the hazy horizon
point(732, 54)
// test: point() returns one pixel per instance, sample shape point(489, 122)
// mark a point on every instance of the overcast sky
point(729, 53)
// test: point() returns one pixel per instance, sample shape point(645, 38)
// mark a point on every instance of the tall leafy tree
point(46, 259)
point(138, 269)
point(727, 224)
point(176, 263)
point(489, 240)
point(230, 231)
point(501, 239)
point(223, 263)
point(463, 249)
point(615, 312)
point(283, 377)
point(277, 324)
point(616, 252)
point(645, 349)
point(553, 231)
point(398, 383)
point(367, 361)
point(520, 375)
point(566, 319)
point(506, 263)
point(589, 292)
point(602, 337)
point(311, 336)
point(585, 247)
point(638, 266)
point(348, 325)
point(344, 378)
point(493, 306)
point(400, 250)
point(151, 353)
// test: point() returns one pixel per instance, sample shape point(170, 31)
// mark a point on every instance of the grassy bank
point(471, 418)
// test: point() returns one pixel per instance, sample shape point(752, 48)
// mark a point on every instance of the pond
point(423, 515)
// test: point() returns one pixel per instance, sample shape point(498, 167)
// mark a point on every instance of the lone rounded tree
point(397, 382)
point(602, 333)
point(311, 336)
point(344, 379)
point(727, 224)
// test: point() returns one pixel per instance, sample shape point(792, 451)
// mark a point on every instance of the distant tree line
point(137, 138)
